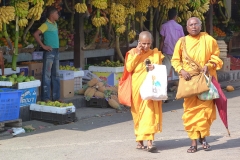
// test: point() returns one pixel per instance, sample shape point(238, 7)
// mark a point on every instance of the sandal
point(151, 149)
point(206, 146)
point(192, 149)
point(139, 146)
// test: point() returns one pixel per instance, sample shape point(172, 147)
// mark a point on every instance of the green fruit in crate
point(27, 80)
point(31, 78)
point(70, 104)
point(42, 103)
point(19, 80)
point(14, 76)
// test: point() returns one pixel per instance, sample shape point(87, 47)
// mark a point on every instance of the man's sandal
point(139, 146)
point(152, 149)
point(192, 149)
point(205, 145)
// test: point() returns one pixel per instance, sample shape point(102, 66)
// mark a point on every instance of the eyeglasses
point(194, 24)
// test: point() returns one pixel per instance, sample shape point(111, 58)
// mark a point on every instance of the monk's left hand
point(205, 70)
point(150, 67)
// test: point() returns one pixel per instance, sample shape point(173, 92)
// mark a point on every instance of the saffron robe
point(147, 114)
point(198, 115)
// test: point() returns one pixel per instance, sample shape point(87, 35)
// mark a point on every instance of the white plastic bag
point(154, 87)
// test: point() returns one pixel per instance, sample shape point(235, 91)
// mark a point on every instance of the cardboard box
point(66, 75)
point(28, 96)
point(66, 88)
point(226, 64)
point(110, 75)
point(37, 55)
point(89, 75)
point(34, 69)
point(24, 69)
point(77, 83)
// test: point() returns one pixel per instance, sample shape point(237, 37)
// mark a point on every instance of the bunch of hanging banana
point(23, 22)
point(7, 14)
point(101, 4)
point(143, 19)
point(131, 34)
point(168, 4)
point(183, 7)
point(36, 11)
point(123, 2)
point(142, 6)
point(130, 10)
point(154, 3)
point(195, 4)
point(50, 2)
point(22, 9)
point(80, 7)
point(186, 15)
point(101, 21)
point(203, 8)
point(121, 29)
point(117, 14)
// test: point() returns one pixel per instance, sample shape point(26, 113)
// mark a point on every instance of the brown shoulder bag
point(197, 84)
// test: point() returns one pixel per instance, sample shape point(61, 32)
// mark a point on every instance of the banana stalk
point(127, 31)
point(7, 36)
point(15, 51)
point(119, 53)
point(141, 22)
point(96, 35)
point(151, 20)
point(27, 29)
point(71, 28)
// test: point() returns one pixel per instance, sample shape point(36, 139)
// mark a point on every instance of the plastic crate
point(98, 103)
point(53, 117)
point(9, 104)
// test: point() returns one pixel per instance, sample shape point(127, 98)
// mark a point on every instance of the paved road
point(110, 137)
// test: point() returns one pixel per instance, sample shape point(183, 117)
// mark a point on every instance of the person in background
point(203, 49)
point(50, 44)
point(170, 32)
point(147, 114)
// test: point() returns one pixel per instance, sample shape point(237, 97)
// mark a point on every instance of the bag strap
point(186, 54)
point(156, 54)
point(125, 72)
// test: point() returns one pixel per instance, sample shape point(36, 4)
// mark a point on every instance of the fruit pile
point(63, 38)
point(54, 104)
point(97, 89)
point(17, 78)
point(218, 32)
point(67, 67)
point(109, 63)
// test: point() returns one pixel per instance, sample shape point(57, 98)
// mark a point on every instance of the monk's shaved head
point(145, 34)
point(199, 21)
point(194, 26)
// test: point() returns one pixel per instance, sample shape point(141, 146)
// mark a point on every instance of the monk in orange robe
point(202, 48)
point(147, 114)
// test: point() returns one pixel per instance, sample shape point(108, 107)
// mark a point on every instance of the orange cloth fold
point(147, 114)
point(198, 115)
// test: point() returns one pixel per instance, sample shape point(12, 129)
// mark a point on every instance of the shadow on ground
point(177, 143)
